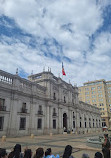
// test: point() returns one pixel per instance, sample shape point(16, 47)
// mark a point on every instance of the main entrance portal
point(65, 120)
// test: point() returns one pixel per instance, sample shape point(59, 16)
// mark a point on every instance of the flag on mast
point(63, 72)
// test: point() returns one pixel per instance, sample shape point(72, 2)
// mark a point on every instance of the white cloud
point(45, 19)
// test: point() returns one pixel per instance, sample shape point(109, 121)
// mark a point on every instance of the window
point(54, 96)
point(1, 123)
point(93, 123)
point(73, 115)
point(2, 102)
point(100, 100)
point(64, 99)
point(92, 88)
point(100, 95)
point(54, 124)
point(86, 89)
point(93, 96)
point(101, 104)
point(93, 100)
point(99, 91)
point(99, 87)
point(22, 123)
point(86, 93)
point(39, 126)
point(73, 124)
point(80, 125)
point(54, 112)
point(40, 112)
point(24, 105)
point(40, 107)
point(85, 125)
point(86, 97)
point(24, 110)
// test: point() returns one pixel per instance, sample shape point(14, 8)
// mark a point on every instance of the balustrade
point(40, 112)
point(23, 110)
point(5, 77)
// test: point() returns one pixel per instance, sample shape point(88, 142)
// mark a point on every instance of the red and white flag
point(63, 72)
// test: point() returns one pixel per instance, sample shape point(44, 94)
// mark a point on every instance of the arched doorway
point(65, 120)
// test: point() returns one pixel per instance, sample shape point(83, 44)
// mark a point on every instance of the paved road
point(56, 142)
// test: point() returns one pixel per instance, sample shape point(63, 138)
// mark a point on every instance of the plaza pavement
point(56, 142)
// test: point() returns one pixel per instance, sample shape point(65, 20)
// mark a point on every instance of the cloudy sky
point(44, 33)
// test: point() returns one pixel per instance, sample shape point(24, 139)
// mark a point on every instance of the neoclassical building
point(43, 104)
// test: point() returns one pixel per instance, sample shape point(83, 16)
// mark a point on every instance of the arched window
point(73, 124)
point(73, 115)
point(64, 99)
point(85, 125)
point(80, 122)
point(93, 123)
point(54, 96)
point(54, 112)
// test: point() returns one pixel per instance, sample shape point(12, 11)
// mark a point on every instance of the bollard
point(32, 136)
point(3, 138)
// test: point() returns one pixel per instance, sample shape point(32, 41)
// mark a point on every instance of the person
point(48, 154)
point(39, 153)
point(28, 153)
point(3, 153)
point(68, 152)
point(106, 147)
point(85, 156)
point(16, 153)
point(98, 155)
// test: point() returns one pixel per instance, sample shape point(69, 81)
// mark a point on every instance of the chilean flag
point(63, 72)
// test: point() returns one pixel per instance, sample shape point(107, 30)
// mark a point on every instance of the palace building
point(43, 104)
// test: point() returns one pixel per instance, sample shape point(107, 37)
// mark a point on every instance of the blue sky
point(44, 33)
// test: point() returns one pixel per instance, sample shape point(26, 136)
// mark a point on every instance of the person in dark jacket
point(39, 153)
point(16, 153)
point(68, 152)
point(106, 147)
point(3, 153)
point(27, 153)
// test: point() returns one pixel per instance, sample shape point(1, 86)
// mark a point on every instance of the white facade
point(43, 104)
